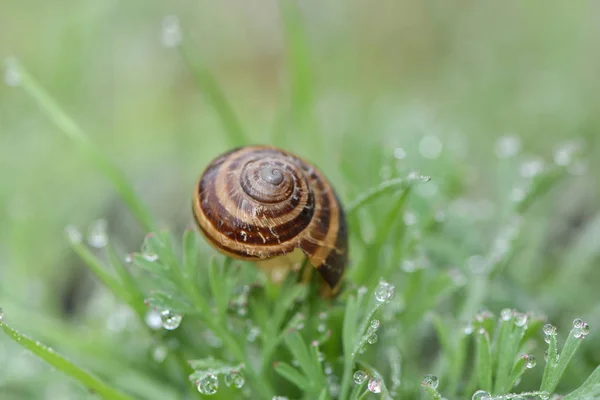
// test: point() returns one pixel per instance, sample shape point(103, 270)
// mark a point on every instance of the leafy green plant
point(408, 323)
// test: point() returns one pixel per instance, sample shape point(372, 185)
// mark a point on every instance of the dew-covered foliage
point(469, 184)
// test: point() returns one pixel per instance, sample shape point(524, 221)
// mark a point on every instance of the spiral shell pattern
point(260, 202)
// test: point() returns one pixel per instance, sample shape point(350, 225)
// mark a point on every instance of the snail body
point(262, 203)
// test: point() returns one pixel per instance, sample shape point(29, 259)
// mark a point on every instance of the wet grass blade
point(62, 364)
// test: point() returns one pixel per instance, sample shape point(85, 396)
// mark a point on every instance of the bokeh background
point(368, 78)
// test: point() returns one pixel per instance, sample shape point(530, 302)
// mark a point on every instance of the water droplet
point(280, 398)
point(544, 395)
point(399, 153)
point(73, 234)
point(384, 292)
point(410, 218)
point(321, 328)
point(531, 168)
point(170, 320)
point(430, 381)
point(469, 328)
point(159, 353)
point(549, 329)
point(372, 338)
point(147, 252)
point(11, 73)
point(563, 154)
point(1, 314)
point(170, 33)
point(430, 147)
point(531, 361)
point(506, 314)
point(375, 324)
point(481, 395)
point(153, 319)
point(408, 266)
point(235, 378)
point(129, 258)
point(577, 323)
point(520, 319)
point(375, 385)
point(208, 384)
point(97, 235)
point(359, 377)
point(323, 315)
point(507, 146)
point(362, 290)
point(585, 329)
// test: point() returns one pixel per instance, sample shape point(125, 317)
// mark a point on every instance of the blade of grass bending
point(64, 365)
point(378, 191)
point(51, 108)
point(211, 89)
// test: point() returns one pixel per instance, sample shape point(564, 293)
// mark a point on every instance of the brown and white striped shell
point(260, 202)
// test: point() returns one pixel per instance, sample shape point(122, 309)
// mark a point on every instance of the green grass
point(104, 123)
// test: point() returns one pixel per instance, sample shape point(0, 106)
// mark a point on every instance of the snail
point(267, 205)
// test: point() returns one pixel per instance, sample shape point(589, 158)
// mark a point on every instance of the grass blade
point(484, 360)
point(64, 365)
point(215, 95)
point(50, 107)
point(293, 375)
point(589, 389)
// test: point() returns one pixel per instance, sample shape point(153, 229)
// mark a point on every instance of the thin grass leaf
point(568, 351)
point(155, 268)
point(306, 359)
point(302, 86)
point(324, 394)
point(51, 108)
point(62, 364)
point(102, 273)
point(219, 287)
point(551, 364)
point(590, 389)
point(358, 390)
point(293, 375)
point(508, 353)
point(376, 192)
point(483, 361)
point(349, 329)
point(128, 281)
point(517, 371)
point(214, 94)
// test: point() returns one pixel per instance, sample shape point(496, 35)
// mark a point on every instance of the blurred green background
point(372, 77)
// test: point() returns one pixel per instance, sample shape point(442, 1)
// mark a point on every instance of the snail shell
point(260, 202)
